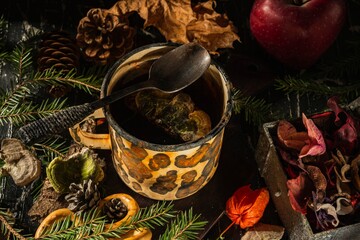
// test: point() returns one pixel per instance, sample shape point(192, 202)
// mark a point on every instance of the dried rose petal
point(246, 206)
point(289, 137)
point(345, 136)
point(316, 145)
point(300, 189)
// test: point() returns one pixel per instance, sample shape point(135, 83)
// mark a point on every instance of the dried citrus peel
point(54, 216)
point(130, 203)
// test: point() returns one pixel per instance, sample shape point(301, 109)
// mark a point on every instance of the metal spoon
point(170, 73)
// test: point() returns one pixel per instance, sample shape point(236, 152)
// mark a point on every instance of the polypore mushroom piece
point(75, 168)
point(20, 163)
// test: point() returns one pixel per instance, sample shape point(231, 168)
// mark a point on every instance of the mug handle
point(91, 140)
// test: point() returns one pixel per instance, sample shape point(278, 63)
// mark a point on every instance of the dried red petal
point(300, 189)
point(246, 206)
point(316, 145)
point(345, 136)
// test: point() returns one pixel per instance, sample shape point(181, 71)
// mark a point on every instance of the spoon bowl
point(170, 73)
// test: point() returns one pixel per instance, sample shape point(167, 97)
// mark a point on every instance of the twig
point(11, 229)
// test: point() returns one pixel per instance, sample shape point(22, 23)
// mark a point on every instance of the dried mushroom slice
point(20, 163)
point(75, 168)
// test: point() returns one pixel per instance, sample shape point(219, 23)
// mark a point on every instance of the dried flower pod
point(343, 206)
point(20, 163)
point(75, 168)
point(318, 179)
point(104, 35)
point(326, 213)
point(343, 172)
point(355, 174)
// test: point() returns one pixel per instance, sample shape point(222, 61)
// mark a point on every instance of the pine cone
point(82, 196)
point(104, 35)
point(59, 50)
point(115, 209)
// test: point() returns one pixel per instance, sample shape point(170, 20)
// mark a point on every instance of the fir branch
point(93, 225)
point(3, 55)
point(50, 148)
point(290, 84)
point(16, 111)
point(345, 66)
point(87, 83)
point(21, 60)
point(7, 221)
point(155, 215)
point(255, 110)
point(185, 226)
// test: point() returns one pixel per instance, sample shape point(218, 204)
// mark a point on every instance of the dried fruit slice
point(54, 216)
point(132, 208)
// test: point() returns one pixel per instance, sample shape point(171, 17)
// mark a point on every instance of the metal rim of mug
point(159, 147)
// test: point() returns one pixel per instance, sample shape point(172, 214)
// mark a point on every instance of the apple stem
point(300, 2)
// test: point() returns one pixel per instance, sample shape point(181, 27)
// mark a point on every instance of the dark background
point(249, 68)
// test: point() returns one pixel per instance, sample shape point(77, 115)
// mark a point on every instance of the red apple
point(297, 34)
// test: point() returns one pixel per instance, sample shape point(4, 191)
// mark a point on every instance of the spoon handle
point(54, 124)
point(63, 119)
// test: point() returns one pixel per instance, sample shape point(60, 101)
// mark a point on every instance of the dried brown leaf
point(211, 29)
point(178, 22)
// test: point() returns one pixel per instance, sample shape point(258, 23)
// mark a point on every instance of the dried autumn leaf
point(246, 206)
point(263, 231)
point(178, 22)
point(211, 29)
point(316, 145)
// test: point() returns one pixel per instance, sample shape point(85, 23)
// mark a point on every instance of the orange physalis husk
point(246, 206)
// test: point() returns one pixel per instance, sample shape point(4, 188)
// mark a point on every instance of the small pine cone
point(58, 50)
point(82, 196)
point(115, 209)
point(104, 35)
